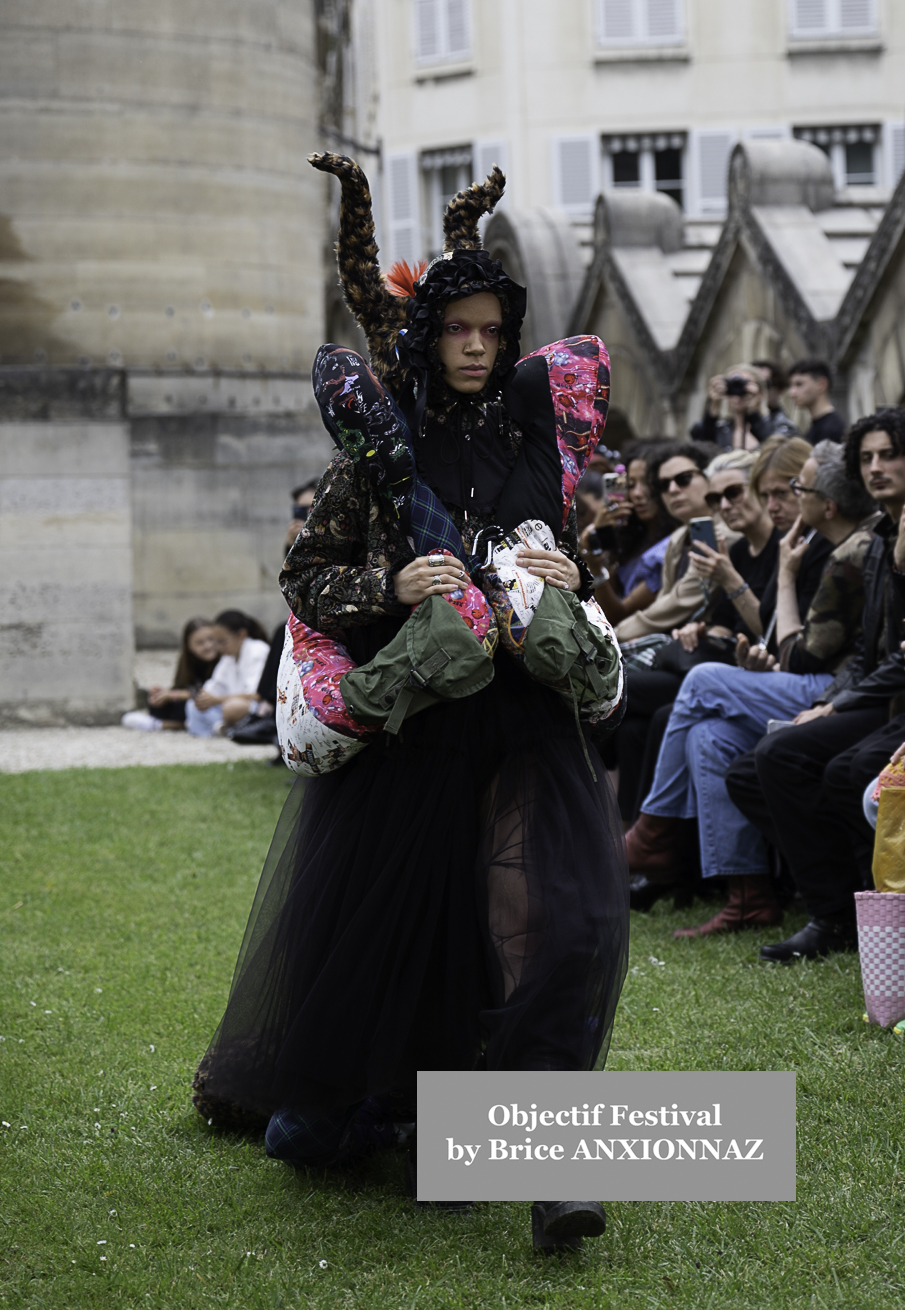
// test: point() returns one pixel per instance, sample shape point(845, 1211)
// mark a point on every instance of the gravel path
point(25, 749)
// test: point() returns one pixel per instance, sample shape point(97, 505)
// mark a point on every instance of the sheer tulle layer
point(454, 899)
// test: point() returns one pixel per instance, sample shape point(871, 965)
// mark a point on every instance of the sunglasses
point(732, 494)
point(680, 479)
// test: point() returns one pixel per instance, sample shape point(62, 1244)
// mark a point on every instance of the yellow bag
point(889, 846)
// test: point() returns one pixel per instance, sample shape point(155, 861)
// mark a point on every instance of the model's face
point(736, 505)
point(469, 341)
point(683, 502)
point(882, 469)
point(203, 644)
point(804, 389)
point(637, 490)
point(779, 499)
point(228, 643)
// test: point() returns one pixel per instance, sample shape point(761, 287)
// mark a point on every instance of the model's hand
point(817, 712)
point(898, 754)
point(551, 565)
point(429, 575)
point(898, 553)
point(792, 549)
point(689, 636)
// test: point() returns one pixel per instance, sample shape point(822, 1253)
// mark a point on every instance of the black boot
point(819, 937)
point(560, 1225)
point(411, 1182)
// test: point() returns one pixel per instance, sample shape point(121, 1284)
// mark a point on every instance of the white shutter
point(664, 20)
point(402, 218)
point(458, 44)
point(485, 154)
point(896, 152)
point(810, 17)
point(713, 151)
point(575, 174)
point(856, 15)
point(427, 30)
point(618, 21)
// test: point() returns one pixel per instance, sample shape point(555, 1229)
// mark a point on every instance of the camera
point(736, 385)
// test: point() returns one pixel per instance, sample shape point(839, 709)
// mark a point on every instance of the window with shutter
point(856, 15)
point(458, 45)
point(486, 154)
point(403, 224)
point(832, 18)
point(713, 151)
point(575, 170)
point(663, 20)
point(442, 31)
point(896, 152)
point(427, 30)
point(639, 22)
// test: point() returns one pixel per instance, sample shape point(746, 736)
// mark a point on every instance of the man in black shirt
point(802, 786)
point(809, 384)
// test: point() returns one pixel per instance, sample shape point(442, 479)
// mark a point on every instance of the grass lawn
point(123, 896)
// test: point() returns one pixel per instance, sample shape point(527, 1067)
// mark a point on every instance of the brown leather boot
point(652, 844)
point(752, 904)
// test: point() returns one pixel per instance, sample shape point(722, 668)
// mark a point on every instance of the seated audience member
point(744, 571)
point(721, 711)
point(636, 743)
point(809, 384)
point(588, 499)
point(626, 544)
point(198, 655)
point(678, 480)
point(776, 381)
point(736, 416)
point(802, 786)
point(231, 690)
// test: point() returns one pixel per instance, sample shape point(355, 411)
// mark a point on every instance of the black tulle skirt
point(456, 898)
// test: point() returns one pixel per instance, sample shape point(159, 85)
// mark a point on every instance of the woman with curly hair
point(454, 896)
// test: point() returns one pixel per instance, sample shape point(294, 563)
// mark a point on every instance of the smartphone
point(774, 725)
point(614, 486)
point(703, 530)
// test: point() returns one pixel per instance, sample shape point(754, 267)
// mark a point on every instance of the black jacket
point(872, 678)
point(760, 426)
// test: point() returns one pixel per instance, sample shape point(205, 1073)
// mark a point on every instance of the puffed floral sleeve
point(339, 571)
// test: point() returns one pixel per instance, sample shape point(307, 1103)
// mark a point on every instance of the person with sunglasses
point(741, 571)
point(721, 712)
point(680, 483)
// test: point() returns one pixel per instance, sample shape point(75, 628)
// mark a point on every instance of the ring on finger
point(435, 561)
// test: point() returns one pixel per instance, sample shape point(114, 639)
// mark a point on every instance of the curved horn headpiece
point(460, 222)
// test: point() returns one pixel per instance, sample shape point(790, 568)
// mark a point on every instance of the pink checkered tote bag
point(881, 944)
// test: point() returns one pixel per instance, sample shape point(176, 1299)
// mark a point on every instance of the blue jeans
point(720, 713)
point(202, 723)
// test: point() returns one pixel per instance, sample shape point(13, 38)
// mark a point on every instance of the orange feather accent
point(401, 278)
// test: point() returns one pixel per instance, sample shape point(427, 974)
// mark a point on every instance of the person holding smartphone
point(625, 546)
point(722, 711)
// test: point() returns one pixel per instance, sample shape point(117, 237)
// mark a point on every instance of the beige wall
point(156, 206)
point(65, 572)
point(536, 72)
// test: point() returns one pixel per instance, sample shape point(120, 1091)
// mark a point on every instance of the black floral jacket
point(340, 570)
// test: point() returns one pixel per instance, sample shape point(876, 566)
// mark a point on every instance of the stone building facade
point(161, 297)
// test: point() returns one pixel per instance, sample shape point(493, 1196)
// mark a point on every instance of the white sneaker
point(141, 720)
